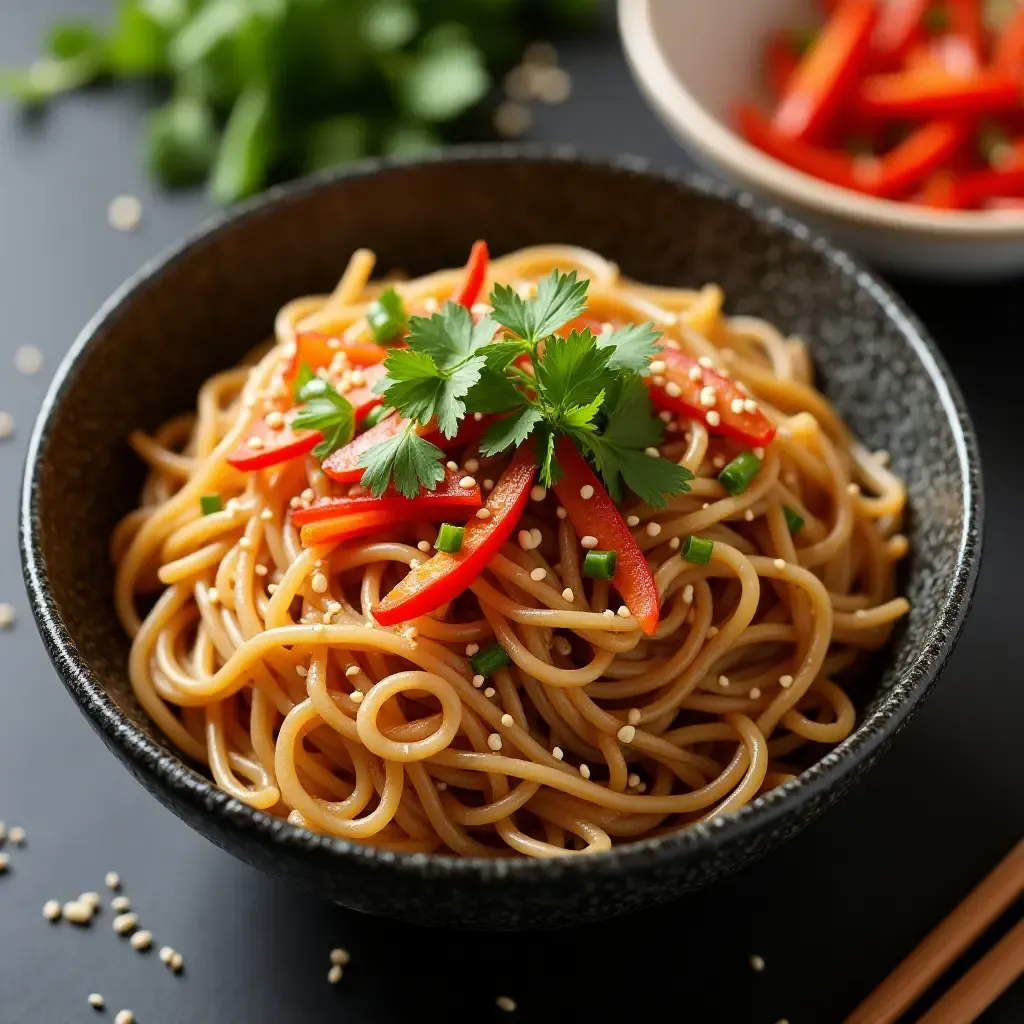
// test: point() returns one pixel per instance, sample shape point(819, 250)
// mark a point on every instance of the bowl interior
point(147, 353)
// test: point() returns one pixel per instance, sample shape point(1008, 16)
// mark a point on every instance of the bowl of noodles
point(501, 539)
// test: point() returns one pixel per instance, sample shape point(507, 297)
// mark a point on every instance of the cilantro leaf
point(650, 479)
point(559, 299)
point(324, 410)
point(633, 346)
point(582, 416)
point(550, 472)
point(501, 353)
point(573, 370)
point(411, 460)
point(421, 391)
point(631, 421)
point(493, 392)
point(449, 337)
point(511, 430)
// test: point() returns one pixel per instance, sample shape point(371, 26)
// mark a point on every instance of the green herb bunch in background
point(260, 90)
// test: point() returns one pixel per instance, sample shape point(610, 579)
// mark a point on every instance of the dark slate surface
point(830, 913)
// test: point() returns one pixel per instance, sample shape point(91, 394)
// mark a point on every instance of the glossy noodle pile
point(595, 733)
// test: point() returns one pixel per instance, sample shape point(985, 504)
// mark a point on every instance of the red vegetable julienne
point(347, 527)
point(476, 271)
point(598, 517)
point(343, 465)
point(447, 499)
point(927, 94)
point(317, 350)
point(274, 445)
point(898, 28)
point(752, 428)
point(443, 577)
point(363, 398)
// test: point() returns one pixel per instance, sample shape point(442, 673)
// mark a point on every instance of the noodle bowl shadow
point(198, 308)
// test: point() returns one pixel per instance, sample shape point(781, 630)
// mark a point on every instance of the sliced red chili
point(444, 576)
point(476, 272)
point(317, 350)
point(343, 465)
point(598, 517)
point(918, 94)
point(273, 446)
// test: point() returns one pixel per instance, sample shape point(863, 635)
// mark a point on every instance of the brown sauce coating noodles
point(594, 733)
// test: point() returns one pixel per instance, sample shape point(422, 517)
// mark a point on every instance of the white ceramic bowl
point(695, 58)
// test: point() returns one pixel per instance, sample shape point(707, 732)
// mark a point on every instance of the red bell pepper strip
point(978, 187)
point(751, 428)
point(448, 498)
point(343, 465)
point(273, 446)
point(898, 28)
point(1009, 49)
point(924, 94)
point(476, 271)
point(829, 165)
point(317, 350)
point(598, 517)
point(443, 577)
point(825, 74)
point(780, 62)
point(920, 153)
point(363, 398)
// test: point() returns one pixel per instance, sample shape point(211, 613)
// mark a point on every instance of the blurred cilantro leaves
point(260, 90)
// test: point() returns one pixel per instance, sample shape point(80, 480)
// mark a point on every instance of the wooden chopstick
point(983, 984)
point(946, 942)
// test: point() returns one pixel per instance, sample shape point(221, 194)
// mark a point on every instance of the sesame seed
point(467, 482)
point(124, 1017)
point(356, 696)
point(627, 734)
point(477, 417)
point(488, 484)
point(472, 649)
point(674, 543)
point(77, 912)
point(881, 457)
point(736, 405)
point(757, 962)
point(859, 613)
point(560, 512)
point(708, 396)
point(254, 442)
point(165, 954)
point(587, 492)
point(177, 962)
point(340, 956)
point(657, 366)
point(557, 753)
point(623, 612)
point(274, 420)
point(125, 923)
point(453, 466)
point(718, 462)
point(608, 613)
point(95, 1000)
point(415, 563)
point(261, 570)
point(567, 594)
point(6, 615)
point(5, 862)
point(538, 493)
point(120, 904)
point(141, 941)
point(853, 490)
point(512, 119)
point(489, 692)
point(16, 835)
point(6, 425)
point(538, 574)
point(672, 389)
point(713, 418)
point(51, 910)
point(755, 693)
point(652, 452)
point(748, 515)
point(423, 545)
point(410, 633)
point(124, 213)
point(723, 682)
point(505, 1003)
point(785, 681)
point(688, 594)
point(318, 627)
point(494, 741)
point(91, 900)
point(652, 529)
point(712, 632)
point(562, 645)
point(632, 780)
point(705, 361)
point(507, 720)
point(658, 380)
point(536, 536)
point(585, 771)
point(478, 680)
point(472, 465)
point(749, 405)
point(319, 583)
point(588, 541)
point(483, 513)
point(301, 671)
point(632, 520)
point(779, 563)
point(334, 975)
point(696, 374)
point(525, 540)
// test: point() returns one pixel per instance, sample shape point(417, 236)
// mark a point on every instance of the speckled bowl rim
point(673, 101)
point(169, 772)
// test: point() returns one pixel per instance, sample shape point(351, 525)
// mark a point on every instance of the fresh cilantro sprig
point(322, 409)
point(537, 384)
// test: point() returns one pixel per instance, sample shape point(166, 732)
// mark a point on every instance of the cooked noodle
point(250, 670)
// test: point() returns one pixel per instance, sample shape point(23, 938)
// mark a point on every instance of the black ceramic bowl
point(201, 306)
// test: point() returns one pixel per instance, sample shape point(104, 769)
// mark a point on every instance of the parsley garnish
point(323, 409)
point(587, 386)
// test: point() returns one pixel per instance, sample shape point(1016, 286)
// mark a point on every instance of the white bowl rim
point(677, 105)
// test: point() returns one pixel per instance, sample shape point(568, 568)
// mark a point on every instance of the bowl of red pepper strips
point(895, 126)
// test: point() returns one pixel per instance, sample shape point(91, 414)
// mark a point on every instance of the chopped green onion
point(936, 19)
point(794, 520)
point(376, 414)
point(599, 565)
point(449, 538)
point(736, 477)
point(489, 660)
point(210, 503)
point(386, 317)
point(697, 550)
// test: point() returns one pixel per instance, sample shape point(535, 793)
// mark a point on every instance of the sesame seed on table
point(84, 814)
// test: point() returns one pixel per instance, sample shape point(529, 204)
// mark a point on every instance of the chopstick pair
point(995, 972)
